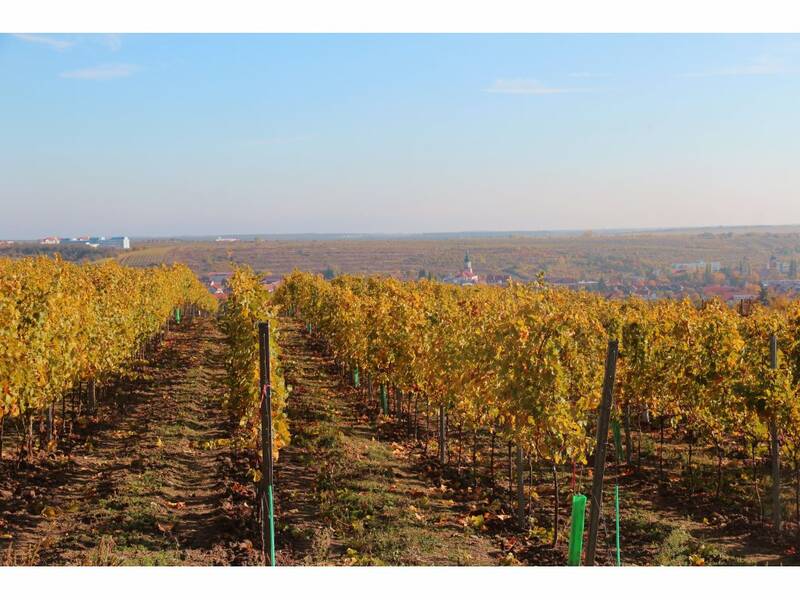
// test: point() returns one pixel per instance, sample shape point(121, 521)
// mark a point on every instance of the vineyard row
point(65, 328)
point(525, 362)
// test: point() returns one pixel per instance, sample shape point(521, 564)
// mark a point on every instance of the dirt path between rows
point(346, 497)
point(354, 489)
point(157, 483)
point(149, 485)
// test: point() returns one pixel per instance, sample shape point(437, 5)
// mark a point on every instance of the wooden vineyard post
point(520, 488)
point(600, 449)
point(267, 507)
point(92, 396)
point(51, 434)
point(442, 435)
point(384, 399)
point(775, 448)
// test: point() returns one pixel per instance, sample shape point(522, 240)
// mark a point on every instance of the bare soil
point(147, 484)
point(153, 479)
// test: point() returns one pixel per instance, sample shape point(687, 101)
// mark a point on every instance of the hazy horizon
point(197, 135)
point(477, 234)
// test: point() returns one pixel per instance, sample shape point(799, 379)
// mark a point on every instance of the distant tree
point(708, 276)
point(328, 273)
point(718, 278)
point(793, 269)
point(70, 252)
point(728, 273)
point(763, 295)
point(744, 267)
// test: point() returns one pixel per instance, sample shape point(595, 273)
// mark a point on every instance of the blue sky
point(208, 134)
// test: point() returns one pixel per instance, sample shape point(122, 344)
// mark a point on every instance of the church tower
point(467, 263)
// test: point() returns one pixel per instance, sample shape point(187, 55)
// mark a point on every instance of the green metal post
point(271, 527)
point(265, 380)
point(618, 446)
point(616, 508)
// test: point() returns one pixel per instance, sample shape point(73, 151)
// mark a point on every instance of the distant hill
point(455, 235)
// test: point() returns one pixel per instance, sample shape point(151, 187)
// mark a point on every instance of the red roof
point(726, 292)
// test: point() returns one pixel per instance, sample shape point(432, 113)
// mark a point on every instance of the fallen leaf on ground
point(476, 522)
point(416, 513)
point(49, 512)
point(509, 560)
point(165, 527)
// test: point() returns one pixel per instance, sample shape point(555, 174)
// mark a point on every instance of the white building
point(700, 265)
point(114, 242)
point(121, 241)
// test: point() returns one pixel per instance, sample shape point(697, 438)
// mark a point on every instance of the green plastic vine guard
point(178, 315)
point(576, 530)
point(356, 379)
